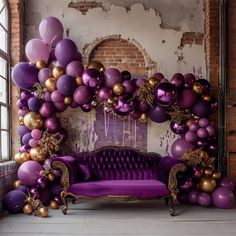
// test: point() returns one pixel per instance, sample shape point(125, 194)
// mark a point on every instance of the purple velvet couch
point(118, 173)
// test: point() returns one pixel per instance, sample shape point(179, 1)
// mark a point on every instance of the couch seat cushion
point(138, 188)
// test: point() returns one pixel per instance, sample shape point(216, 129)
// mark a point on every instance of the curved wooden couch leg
point(173, 198)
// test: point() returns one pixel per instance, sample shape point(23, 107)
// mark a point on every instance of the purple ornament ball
point(46, 109)
point(52, 124)
point(34, 104)
point(178, 128)
point(14, 201)
point(227, 182)
point(201, 108)
point(177, 80)
point(158, 114)
point(112, 76)
point(92, 78)
point(36, 134)
point(186, 98)
point(57, 97)
point(66, 85)
point(190, 136)
point(82, 95)
point(104, 94)
point(204, 199)
point(223, 198)
point(193, 196)
point(75, 69)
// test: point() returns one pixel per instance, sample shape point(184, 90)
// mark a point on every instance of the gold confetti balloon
point(57, 72)
point(51, 85)
point(118, 89)
point(17, 158)
point(28, 209)
point(40, 64)
point(96, 65)
point(37, 154)
point(33, 120)
point(153, 81)
point(24, 156)
point(42, 211)
point(207, 184)
point(16, 184)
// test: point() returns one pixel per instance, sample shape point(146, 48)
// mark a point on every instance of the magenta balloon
point(66, 51)
point(177, 80)
point(227, 183)
point(202, 133)
point(193, 126)
point(129, 88)
point(26, 138)
point(22, 130)
point(52, 124)
point(36, 49)
point(204, 199)
point(92, 78)
point(75, 69)
point(186, 98)
point(66, 85)
point(223, 198)
point(158, 114)
point(44, 74)
point(33, 143)
point(189, 79)
point(24, 148)
point(46, 109)
point(34, 104)
point(190, 136)
point(104, 94)
point(24, 75)
point(140, 82)
point(28, 173)
point(178, 127)
point(60, 106)
point(165, 94)
point(201, 108)
point(203, 122)
point(56, 96)
point(82, 95)
point(74, 104)
point(47, 96)
point(180, 146)
point(112, 76)
point(14, 201)
point(51, 30)
point(36, 134)
point(193, 196)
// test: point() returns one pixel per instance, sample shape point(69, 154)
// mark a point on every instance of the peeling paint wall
point(159, 26)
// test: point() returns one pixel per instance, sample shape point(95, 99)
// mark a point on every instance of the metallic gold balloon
point(33, 120)
point(57, 72)
point(40, 64)
point(36, 154)
point(42, 211)
point(197, 88)
point(17, 158)
point(153, 81)
point(96, 65)
point(51, 177)
point(67, 100)
point(21, 119)
point(78, 81)
point(143, 118)
point(207, 184)
point(208, 172)
point(51, 84)
point(24, 156)
point(53, 205)
point(118, 89)
point(216, 175)
point(28, 209)
point(206, 98)
point(16, 184)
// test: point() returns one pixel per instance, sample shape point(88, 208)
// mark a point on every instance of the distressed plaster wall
point(157, 25)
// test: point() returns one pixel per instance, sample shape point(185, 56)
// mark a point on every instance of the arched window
point(4, 81)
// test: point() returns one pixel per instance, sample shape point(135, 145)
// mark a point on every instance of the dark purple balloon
point(82, 95)
point(92, 78)
point(158, 114)
point(204, 199)
point(180, 146)
point(177, 80)
point(104, 94)
point(56, 96)
point(26, 138)
point(34, 104)
point(47, 96)
point(178, 128)
point(186, 98)
point(46, 109)
point(189, 79)
point(22, 130)
point(86, 107)
point(205, 85)
point(125, 75)
point(213, 105)
point(142, 106)
point(165, 94)
point(14, 201)
point(122, 108)
point(193, 196)
point(140, 82)
point(223, 198)
point(129, 88)
point(75, 68)
point(159, 76)
point(66, 85)
point(227, 183)
point(26, 95)
point(52, 124)
point(22, 104)
point(24, 148)
point(55, 189)
point(44, 196)
point(201, 108)
point(24, 75)
point(23, 188)
point(112, 76)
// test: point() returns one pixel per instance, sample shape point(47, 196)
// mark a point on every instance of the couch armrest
point(167, 171)
point(69, 169)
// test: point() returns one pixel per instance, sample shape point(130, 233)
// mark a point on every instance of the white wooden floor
point(123, 219)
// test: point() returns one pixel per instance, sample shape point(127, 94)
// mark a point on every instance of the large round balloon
point(201, 108)
point(104, 94)
point(186, 98)
point(227, 183)
point(180, 146)
point(14, 201)
point(204, 199)
point(22, 130)
point(33, 120)
point(158, 114)
point(75, 69)
point(112, 76)
point(28, 173)
point(223, 198)
point(66, 51)
point(36, 49)
point(92, 78)
point(24, 75)
point(66, 85)
point(51, 30)
point(82, 95)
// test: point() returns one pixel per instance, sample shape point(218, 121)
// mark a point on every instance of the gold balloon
point(53, 205)
point(78, 81)
point(67, 100)
point(207, 184)
point(57, 72)
point(51, 84)
point(96, 65)
point(153, 81)
point(21, 119)
point(28, 209)
point(40, 64)
point(16, 184)
point(197, 88)
point(17, 158)
point(51, 177)
point(216, 175)
point(204, 155)
point(118, 89)
point(33, 120)
point(143, 118)
point(206, 98)
point(36, 154)
point(208, 172)
point(24, 156)
point(42, 211)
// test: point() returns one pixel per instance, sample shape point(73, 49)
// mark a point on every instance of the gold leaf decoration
point(177, 114)
point(146, 93)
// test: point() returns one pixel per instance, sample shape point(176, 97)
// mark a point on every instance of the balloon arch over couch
point(55, 79)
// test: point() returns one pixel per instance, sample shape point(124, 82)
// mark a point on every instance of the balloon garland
point(55, 79)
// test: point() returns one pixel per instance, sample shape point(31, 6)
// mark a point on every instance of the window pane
point(3, 16)
point(3, 39)
point(3, 90)
point(3, 67)
point(4, 118)
point(2, 3)
point(5, 144)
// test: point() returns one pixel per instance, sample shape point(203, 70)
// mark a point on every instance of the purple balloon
point(46, 109)
point(140, 82)
point(23, 188)
point(227, 183)
point(86, 107)
point(24, 75)
point(23, 112)
point(56, 96)
point(92, 78)
point(60, 106)
point(223, 198)
point(34, 104)
point(204, 199)
point(22, 130)
point(178, 128)
point(47, 96)
point(33, 143)
point(28, 173)
point(189, 79)
point(203, 122)
point(34, 192)
point(125, 75)
point(104, 94)
point(44, 74)
point(129, 88)
point(74, 104)
point(75, 69)
point(177, 80)
point(25, 95)
point(190, 136)
point(24, 148)
point(210, 130)
point(205, 84)
point(165, 94)
point(180, 146)
point(193, 196)
point(158, 114)
point(66, 85)
point(186, 98)
point(14, 201)
point(66, 51)
point(36, 134)
point(197, 172)
point(52, 124)
point(193, 126)
point(82, 95)
point(159, 76)
point(22, 104)
point(122, 108)
point(26, 138)
point(201, 108)
point(141, 106)
point(55, 189)
point(202, 133)
point(112, 76)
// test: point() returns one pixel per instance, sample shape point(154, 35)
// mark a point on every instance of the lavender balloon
point(44, 74)
point(47, 96)
point(180, 146)
point(202, 133)
point(22, 130)
point(46, 109)
point(193, 126)
point(22, 104)
point(25, 95)
point(82, 95)
point(203, 122)
point(75, 69)
point(66, 85)
point(34, 104)
point(112, 76)
point(92, 78)
point(26, 138)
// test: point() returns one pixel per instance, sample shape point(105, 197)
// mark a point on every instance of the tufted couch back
point(119, 163)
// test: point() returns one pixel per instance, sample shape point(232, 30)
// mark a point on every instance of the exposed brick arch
point(113, 51)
